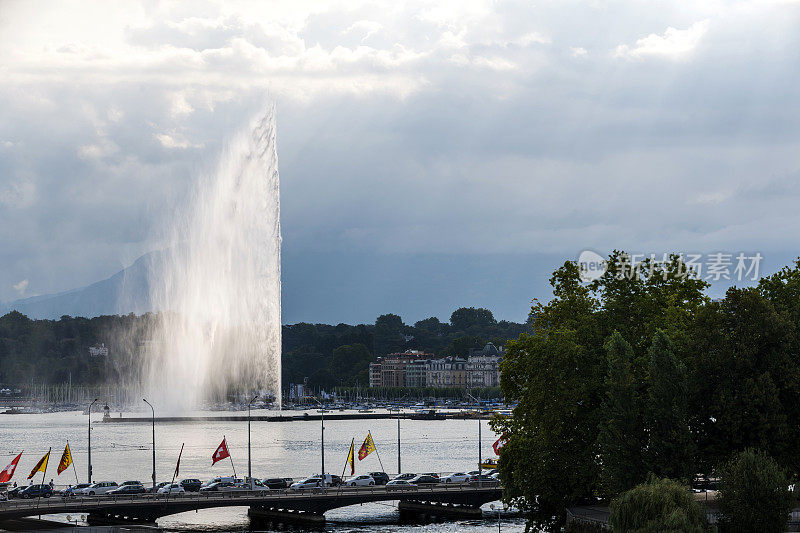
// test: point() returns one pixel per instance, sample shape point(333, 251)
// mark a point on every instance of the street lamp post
point(154, 443)
point(249, 472)
point(90, 439)
point(480, 458)
point(322, 438)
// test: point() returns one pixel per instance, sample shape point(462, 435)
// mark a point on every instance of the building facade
point(418, 369)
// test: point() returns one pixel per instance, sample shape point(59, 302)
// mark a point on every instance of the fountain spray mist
point(219, 326)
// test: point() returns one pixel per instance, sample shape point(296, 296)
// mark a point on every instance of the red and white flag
point(8, 472)
point(499, 443)
point(221, 453)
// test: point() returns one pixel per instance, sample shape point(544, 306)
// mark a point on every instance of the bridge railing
point(42, 505)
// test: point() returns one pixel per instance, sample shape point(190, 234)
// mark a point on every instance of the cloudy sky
point(433, 154)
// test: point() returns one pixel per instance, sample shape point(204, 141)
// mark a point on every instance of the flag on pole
point(41, 466)
point(66, 460)
point(178, 466)
point(367, 448)
point(221, 453)
point(8, 472)
point(351, 457)
point(499, 443)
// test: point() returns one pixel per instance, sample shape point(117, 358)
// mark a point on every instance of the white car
point(243, 486)
point(458, 477)
point(400, 484)
point(172, 488)
point(364, 480)
point(308, 483)
point(96, 489)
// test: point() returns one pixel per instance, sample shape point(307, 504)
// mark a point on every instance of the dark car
point(483, 480)
point(191, 485)
point(381, 478)
point(127, 489)
point(336, 480)
point(423, 479)
point(36, 491)
point(432, 474)
point(275, 483)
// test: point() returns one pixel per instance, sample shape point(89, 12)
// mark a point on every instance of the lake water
point(279, 449)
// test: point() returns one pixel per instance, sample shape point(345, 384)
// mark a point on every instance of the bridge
point(276, 506)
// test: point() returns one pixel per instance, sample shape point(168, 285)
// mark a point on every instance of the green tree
point(388, 335)
point(464, 318)
point(550, 460)
point(754, 494)
point(657, 506)
point(350, 364)
point(670, 445)
point(621, 440)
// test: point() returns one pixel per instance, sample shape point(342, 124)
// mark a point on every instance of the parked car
point(158, 486)
point(171, 488)
point(216, 486)
point(364, 480)
point(458, 477)
point(229, 479)
point(432, 474)
point(36, 491)
point(244, 486)
point(127, 489)
point(381, 478)
point(400, 484)
point(97, 489)
point(306, 484)
point(404, 477)
point(70, 491)
point(331, 480)
point(191, 485)
point(423, 479)
point(483, 480)
point(14, 493)
point(131, 483)
point(275, 483)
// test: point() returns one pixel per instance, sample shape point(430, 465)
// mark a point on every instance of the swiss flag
point(221, 453)
point(499, 443)
point(8, 472)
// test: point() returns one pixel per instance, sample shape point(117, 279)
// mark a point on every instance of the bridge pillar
point(273, 517)
point(414, 511)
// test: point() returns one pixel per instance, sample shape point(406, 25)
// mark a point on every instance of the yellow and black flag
point(41, 466)
point(367, 448)
point(66, 460)
point(351, 457)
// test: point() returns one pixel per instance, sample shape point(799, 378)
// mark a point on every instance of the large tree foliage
point(657, 506)
point(682, 384)
point(670, 446)
point(621, 439)
point(754, 494)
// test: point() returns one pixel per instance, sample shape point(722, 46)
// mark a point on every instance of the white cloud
point(673, 44)
point(20, 287)
point(175, 140)
point(578, 51)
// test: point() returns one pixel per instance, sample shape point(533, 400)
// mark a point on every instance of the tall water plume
point(219, 327)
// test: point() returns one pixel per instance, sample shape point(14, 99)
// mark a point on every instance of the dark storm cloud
point(471, 128)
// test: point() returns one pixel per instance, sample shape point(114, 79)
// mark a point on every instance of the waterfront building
point(414, 368)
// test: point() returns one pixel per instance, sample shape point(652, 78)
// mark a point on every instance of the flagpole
point(351, 453)
point(229, 456)
point(376, 449)
point(174, 474)
point(44, 473)
point(77, 481)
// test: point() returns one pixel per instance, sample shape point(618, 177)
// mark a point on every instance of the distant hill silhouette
point(127, 291)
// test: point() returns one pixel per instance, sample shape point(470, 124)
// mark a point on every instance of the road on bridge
point(150, 507)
